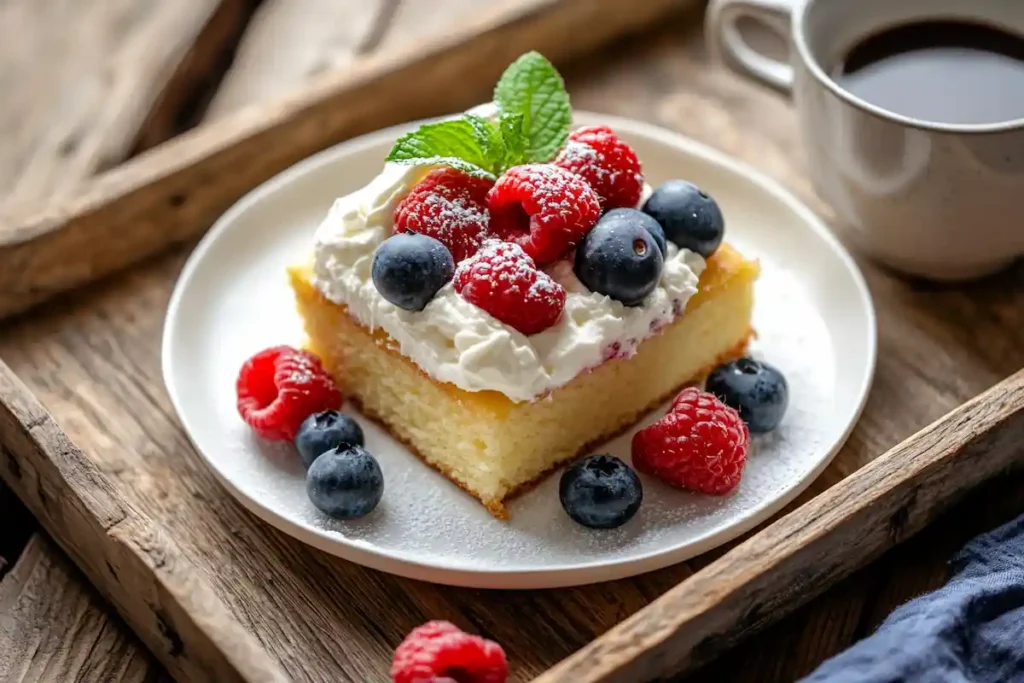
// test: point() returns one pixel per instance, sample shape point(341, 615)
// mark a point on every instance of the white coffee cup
point(942, 201)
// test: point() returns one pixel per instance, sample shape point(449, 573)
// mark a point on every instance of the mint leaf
point(458, 143)
point(489, 138)
point(533, 88)
point(510, 127)
point(472, 144)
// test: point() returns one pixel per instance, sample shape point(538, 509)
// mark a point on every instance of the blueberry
point(652, 226)
point(757, 391)
point(620, 257)
point(320, 432)
point(345, 483)
point(409, 268)
point(600, 491)
point(691, 218)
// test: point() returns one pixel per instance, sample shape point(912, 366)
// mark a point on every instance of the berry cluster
point(700, 445)
point(284, 394)
point(582, 206)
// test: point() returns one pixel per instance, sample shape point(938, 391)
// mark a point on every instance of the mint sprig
point(459, 143)
point(532, 87)
point(532, 124)
point(510, 128)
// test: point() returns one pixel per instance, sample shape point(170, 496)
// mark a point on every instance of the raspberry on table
point(439, 651)
point(280, 387)
point(608, 164)
point(543, 208)
point(700, 445)
point(450, 206)
point(502, 280)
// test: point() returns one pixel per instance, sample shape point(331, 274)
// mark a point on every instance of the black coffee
point(943, 71)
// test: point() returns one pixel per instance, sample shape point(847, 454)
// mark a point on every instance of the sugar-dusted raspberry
point(451, 207)
point(543, 208)
point(280, 387)
point(439, 651)
point(608, 164)
point(700, 445)
point(502, 280)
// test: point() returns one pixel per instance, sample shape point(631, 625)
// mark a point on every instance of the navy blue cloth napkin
point(969, 631)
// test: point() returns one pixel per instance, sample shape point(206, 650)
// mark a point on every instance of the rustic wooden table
point(80, 119)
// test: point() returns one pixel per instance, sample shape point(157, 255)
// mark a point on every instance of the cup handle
point(728, 44)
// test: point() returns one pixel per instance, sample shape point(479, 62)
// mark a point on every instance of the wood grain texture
point(292, 41)
point(93, 359)
point(51, 628)
point(85, 83)
point(798, 556)
point(128, 556)
point(168, 195)
point(80, 78)
point(189, 89)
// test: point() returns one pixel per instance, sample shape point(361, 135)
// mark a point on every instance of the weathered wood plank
point(51, 628)
point(803, 553)
point(855, 607)
point(85, 82)
point(290, 41)
point(132, 561)
point(167, 195)
point(323, 36)
point(189, 89)
point(79, 79)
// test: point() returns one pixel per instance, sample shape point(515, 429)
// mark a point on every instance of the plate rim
point(582, 573)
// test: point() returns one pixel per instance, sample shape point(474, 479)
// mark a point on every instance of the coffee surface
point(940, 71)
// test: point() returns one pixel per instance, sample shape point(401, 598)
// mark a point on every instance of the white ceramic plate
point(813, 315)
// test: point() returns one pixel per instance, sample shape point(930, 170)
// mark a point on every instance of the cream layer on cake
point(453, 340)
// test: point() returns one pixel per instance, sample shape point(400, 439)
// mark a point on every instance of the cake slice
point(507, 294)
point(494, 447)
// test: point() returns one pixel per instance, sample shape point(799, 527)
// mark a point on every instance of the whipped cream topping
point(454, 341)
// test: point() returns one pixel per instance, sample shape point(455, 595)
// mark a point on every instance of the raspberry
point(700, 445)
point(280, 387)
point(451, 207)
point(502, 280)
point(607, 163)
point(542, 208)
point(438, 651)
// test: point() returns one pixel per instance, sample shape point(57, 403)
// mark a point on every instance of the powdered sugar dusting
point(551, 195)
point(580, 155)
point(576, 152)
point(609, 165)
point(503, 281)
point(426, 519)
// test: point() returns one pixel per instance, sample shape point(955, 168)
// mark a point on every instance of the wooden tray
point(92, 446)
point(172, 193)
